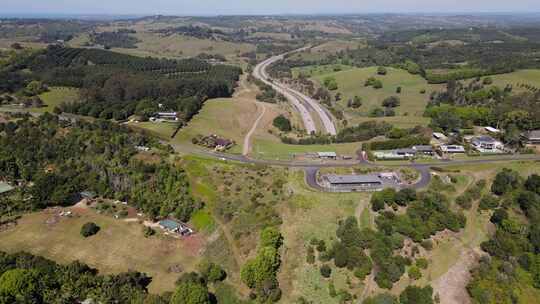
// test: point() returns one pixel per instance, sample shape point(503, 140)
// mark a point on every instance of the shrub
point(282, 123)
point(391, 102)
point(89, 229)
point(422, 263)
point(212, 272)
point(414, 273)
point(382, 70)
point(326, 271)
point(148, 231)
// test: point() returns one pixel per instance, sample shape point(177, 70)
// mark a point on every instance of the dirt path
point(247, 138)
point(451, 286)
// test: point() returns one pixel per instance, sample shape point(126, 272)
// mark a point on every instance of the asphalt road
point(300, 101)
point(312, 169)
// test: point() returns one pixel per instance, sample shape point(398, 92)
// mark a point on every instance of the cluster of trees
point(116, 39)
point(373, 82)
point(514, 250)
point(361, 132)
point(398, 143)
point(114, 85)
point(462, 106)
point(25, 278)
point(260, 273)
point(267, 94)
point(56, 159)
point(362, 250)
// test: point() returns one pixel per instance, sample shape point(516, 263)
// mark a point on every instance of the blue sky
point(214, 7)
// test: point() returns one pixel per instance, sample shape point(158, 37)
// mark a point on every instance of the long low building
point(348, 181)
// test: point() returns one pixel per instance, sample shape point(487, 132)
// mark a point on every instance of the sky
point(231, 7)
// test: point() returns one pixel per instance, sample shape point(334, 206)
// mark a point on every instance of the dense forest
point(117, 86)
point(55, 159)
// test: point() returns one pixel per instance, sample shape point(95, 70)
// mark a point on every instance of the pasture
point(351, 83)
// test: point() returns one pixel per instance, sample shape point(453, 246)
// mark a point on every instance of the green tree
point(282, 123)
point(505, 181)
point(326, 271)
point(270, 236)
point(19, 286)
point(89, 229)
point(416, 295)
point(414, 273)
point(190, 292)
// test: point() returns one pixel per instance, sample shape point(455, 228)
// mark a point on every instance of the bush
point(89, 229)
point(148, 231)
point(414, 273)
point(391, 102)
point(417, 295)
point(422, 263)
point(489, 202)
point(282, 123)
point(326, 271)
point(212, 272)
point(382, 71)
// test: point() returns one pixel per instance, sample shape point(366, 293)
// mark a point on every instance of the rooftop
point(485, 139)
point(5, 187)
point(354, 179)
point(170, 224)
point(492, 130)
point(327, 154)
point(534, 134)
point(423, 148)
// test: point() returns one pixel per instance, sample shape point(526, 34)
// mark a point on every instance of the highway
point(301, 102)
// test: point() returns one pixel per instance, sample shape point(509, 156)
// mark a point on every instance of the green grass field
point(176, 46)
point(55, 96)
point(273, 149)
point(118, 247)
point(351, 83)
point(531, 77)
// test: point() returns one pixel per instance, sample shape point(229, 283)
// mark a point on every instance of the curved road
point(312, 169)
point(300, 101)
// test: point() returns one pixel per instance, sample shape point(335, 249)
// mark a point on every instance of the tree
point(533, 183)
point(190, 292)
point(330, 83)
point(282, 123)
point(89, 229)
point(499, 216)
point(414, 273)
point(505, 181)
point(355, 103)
point(35, 88)
point(382, 298)
point(212, 272)
point(381, 71)
point(398, 90)
point(271, 237)
point(416, 295)
point(19, 285)
point(326, 271)
point(391, 102)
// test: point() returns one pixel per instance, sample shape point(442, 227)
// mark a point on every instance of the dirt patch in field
point(451, 287)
